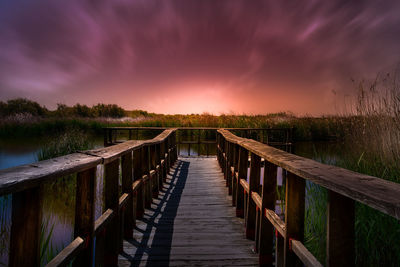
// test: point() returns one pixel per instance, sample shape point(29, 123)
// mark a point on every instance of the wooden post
point(105, 137)
point(26, 220)
point(130, 134)
point(146, 171)
point(279, 250)
point(242, 174)
point(84, 214)
point(230, 165)
point(159, 171)
point(153, 164)
point(235, 160)
point(294, 216)
point(254, 183)
point(138, 174)
point(268, 202)
point(127, 180)
point(111, 202)
point(340, 231)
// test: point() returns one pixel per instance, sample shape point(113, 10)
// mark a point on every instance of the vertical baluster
point(254, 183)
point(294, 215)
point(25, 227)
point(268, 202)
point(138, 174)
point(112, 202)
point(127, 180)
point(340, 231)
point(84, 214)
point(242, 174)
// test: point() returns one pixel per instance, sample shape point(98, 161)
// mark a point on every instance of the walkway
point(192, 223)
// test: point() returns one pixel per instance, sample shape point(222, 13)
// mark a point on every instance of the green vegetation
point(371, 145)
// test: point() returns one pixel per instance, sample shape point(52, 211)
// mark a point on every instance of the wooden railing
point(256, 204)
point(205, 136)
point(143, 166)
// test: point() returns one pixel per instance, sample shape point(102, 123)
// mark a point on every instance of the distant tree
point(82, 111)
point(109, 110)
point(22, 105)
point(63, 110)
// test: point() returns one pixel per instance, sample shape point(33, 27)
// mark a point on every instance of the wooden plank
point(26, 218)
point(19, 178)
point(294, 216)
point(375, 192)
point(183, 226)
point(274, 219)
point(84, 214)
point(340, 249)
point(102, 221)
point(305, 256)
point(68, 253)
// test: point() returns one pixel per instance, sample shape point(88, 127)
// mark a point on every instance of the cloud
point(137, 49)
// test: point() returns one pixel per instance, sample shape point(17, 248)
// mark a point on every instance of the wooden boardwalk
point(191, 223)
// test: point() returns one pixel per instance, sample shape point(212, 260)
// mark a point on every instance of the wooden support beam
point(294, 216)
point(84, 214)
point(340, 249)
point(268, 197)
point(127, 180)
point(242, 174)
point(254, 183)
point(137, 174)
point(26, 220)
point(112, 202)
point(146, 171)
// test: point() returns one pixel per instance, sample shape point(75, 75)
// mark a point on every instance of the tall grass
point(60, 194)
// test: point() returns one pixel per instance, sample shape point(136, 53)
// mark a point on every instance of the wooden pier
point(161, 209)
point(191, 223)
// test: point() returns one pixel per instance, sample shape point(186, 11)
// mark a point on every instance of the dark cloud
point(267, 55)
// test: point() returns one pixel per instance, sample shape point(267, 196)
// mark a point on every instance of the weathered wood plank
point(305, 256)
point(68, 253)
point(183, 226)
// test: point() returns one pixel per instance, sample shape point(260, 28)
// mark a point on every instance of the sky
point(195, 56)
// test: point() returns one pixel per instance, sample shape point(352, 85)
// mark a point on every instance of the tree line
point(26, 106)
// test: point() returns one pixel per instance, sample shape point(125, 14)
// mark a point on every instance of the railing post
point(138, 174)
point(235, 165)
point(159, 170)
point(153, 165)
point(294, 216)
point(340, 231)
point(127, 180)
point(227, 167)
point(174, 144)
point(146, 171)
point(84, 214)
point(268, 202)
point(242, 174)
point(254, 183)
point(112, 202)
point(26, 220)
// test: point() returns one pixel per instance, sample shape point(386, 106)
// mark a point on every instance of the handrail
point(257, 205)
point(377, 193)
point(144, 167)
